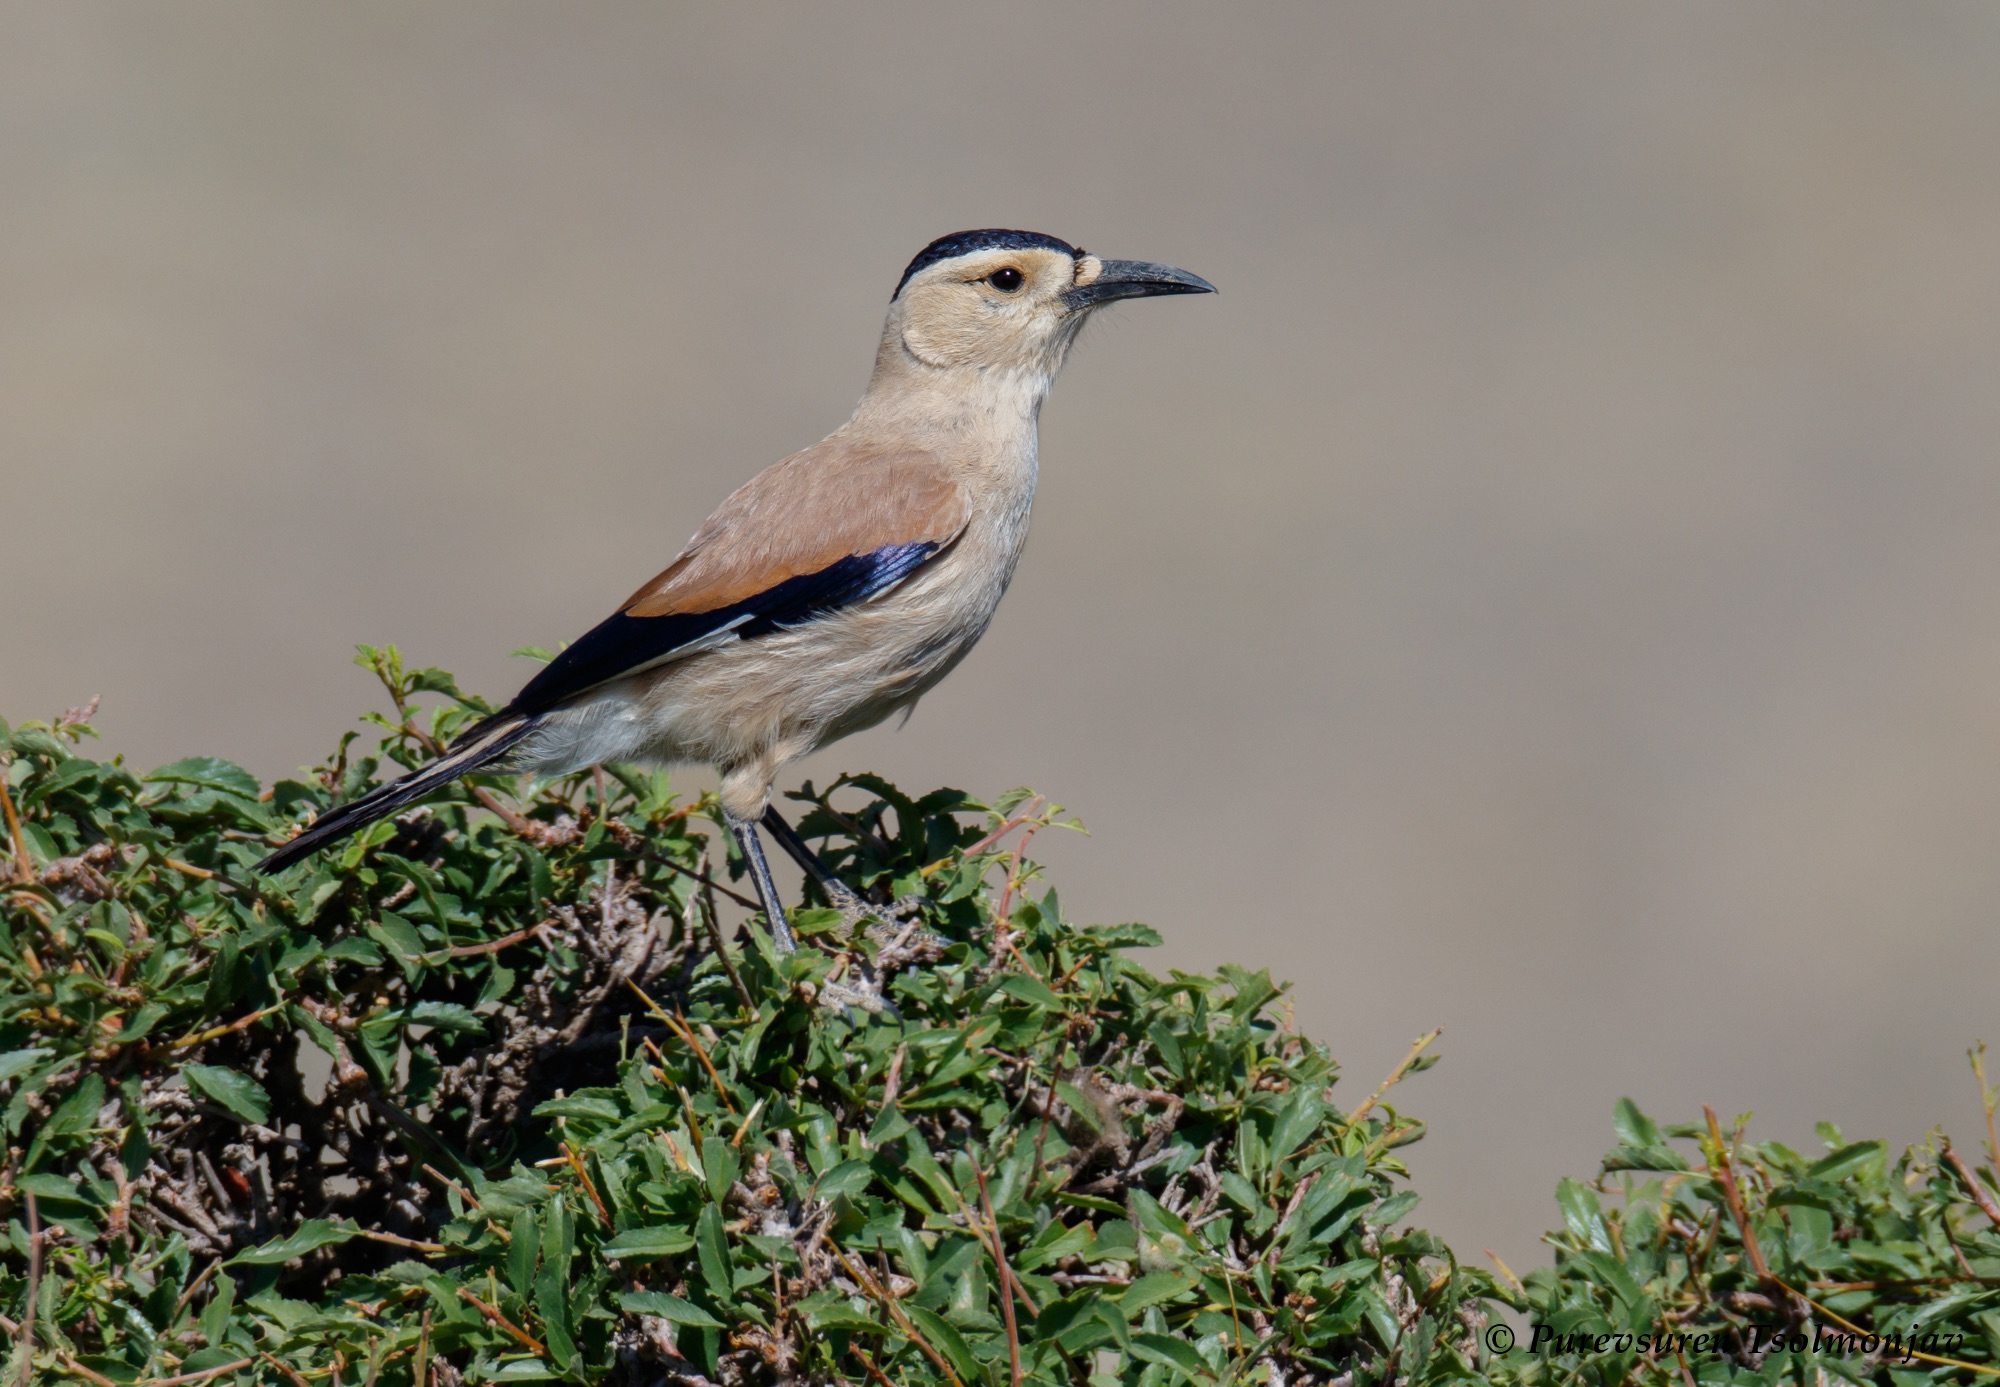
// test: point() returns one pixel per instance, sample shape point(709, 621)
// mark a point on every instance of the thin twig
point(216, 1032)
point(1903, 1283)
point(743, 1127)
point(500, 1321)
point(1980, 1195)
point(1008, 1287)
point(1299, 1193)
point(293, 1373)
point(421, 1369)
point(869, 1363)
point(893, 1085)
point(204, 1375)
point(686, 1033)
point(1726, 1177)
point(881, 1294)
point(24, 871)
point(1002, 912)
point(1988, 1099)
point(1042, 1131)
point(460, 1190)
point(1006, 827)
point(34, 1288)
point(517, 823)
point(493, 1225)
point(211, 1269)
point(589, 1187)
point(708, 914)
point(1417, 1047)
point(33, 895)
point(679, 1023)
point(1507, 1273)
point(1852, 1328)
point(491, 946)
point(705, 879)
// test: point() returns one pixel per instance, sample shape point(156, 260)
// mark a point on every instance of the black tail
point(480, 746)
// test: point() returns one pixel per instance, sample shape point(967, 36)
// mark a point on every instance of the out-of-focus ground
point(1553, 591)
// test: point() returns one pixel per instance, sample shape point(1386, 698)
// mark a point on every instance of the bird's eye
point(1007, 279)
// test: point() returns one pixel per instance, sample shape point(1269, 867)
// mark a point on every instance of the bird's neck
point(954, 408)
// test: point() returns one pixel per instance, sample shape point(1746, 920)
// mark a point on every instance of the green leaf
point(354, 949)
point(581, 1105)
point(523, 1236)
point(47, 1186)
point(640, 1244)
point(1849, 1160)
point(553, 1306)
point(668, 1307)
point(1299, 1120)
point(1583, 1215)
point(558, 1235)
point(1032, 990)
point(838, 1314)
point(209, 773)
point(852, 1177)
point(310, 1236)
point(238, 1094)
point(399, 936)
point(1170, 1352)
point(712, 1249)
point(1154, 1288)
point(1645, 1158)
point(76, 1115)
point(1394, 1209)
point(17, 1061)
point(948, 1341)
point(1634, 1128)
point(446, 1016)
point(719, 1162)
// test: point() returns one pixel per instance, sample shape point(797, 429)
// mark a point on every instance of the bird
point(834, 588)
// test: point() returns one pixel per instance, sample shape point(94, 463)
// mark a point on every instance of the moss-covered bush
point(496, 1092)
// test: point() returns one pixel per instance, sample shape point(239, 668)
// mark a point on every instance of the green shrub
point(1754, 1263)
point(565, 1134)
point(486, 1095)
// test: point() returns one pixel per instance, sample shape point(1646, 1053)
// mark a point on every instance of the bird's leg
point(844, 898)
point(898, 944)
point(760, 873)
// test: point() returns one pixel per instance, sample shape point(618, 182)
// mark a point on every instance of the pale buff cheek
point(962, 333)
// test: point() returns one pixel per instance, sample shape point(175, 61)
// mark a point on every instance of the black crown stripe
point(966, 242)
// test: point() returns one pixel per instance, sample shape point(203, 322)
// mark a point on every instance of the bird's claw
point(857, 911)
point(866, 997)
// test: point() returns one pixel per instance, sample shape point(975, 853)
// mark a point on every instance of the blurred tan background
point(1552, 592)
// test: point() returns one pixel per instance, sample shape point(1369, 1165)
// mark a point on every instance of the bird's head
point(1012, 300)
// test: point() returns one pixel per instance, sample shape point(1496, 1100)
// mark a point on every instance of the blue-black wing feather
point(622, 644)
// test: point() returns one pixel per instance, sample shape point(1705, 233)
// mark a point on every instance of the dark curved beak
point(1135, 279)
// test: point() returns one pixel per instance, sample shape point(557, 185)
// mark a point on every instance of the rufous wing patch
point(802, 515)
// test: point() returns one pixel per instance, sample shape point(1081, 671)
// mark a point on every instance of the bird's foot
point(896, 930)
point(904, 945)
point(864, 994)
point(858, 911)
